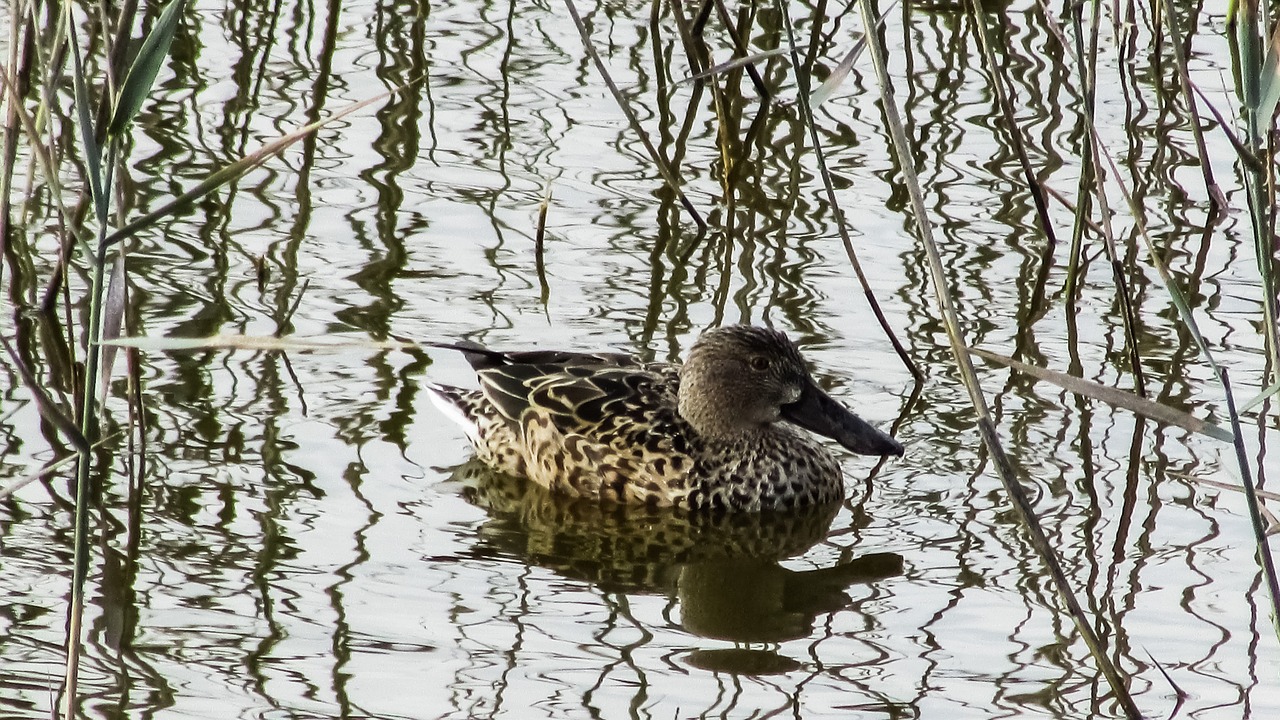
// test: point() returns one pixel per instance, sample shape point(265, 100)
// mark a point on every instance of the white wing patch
point(445, 398)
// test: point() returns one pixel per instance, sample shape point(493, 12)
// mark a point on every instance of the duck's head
point(740, 378)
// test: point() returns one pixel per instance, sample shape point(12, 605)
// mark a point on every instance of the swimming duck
point(723, 432)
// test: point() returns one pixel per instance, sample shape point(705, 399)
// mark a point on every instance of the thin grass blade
point(1262, 494)
point(1245, 154)
point(841, 71)
point(48, 409)
point(142, 74)
point(1177, 689)
point(1166, 277)
point(1263, 522)
point(804, 91)
point(838, 74)
point(43, 158)
point(1179, 47)
point(1261, 398)
point(539, 243)
point(235, 170)
point(44, 471)
point(257, 343)
point(659, 160)
point(112, 320)
point(733, 64)
point(1114, 397)
point(986, 424)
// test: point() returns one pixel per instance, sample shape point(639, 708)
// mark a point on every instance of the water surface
point(302, 535)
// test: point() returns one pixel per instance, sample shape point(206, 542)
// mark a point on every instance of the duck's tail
point(459, 405)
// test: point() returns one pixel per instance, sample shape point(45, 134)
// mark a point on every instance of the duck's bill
point(817, 412)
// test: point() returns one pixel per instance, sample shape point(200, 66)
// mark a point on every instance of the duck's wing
point(586, 424)
point(573, 387)
point(577, 393)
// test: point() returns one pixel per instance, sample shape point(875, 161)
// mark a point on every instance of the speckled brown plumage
point(627, 546)
point(722, 432)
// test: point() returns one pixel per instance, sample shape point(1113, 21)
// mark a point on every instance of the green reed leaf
point(1268, 86)
point(84, 118)
point(1244, 34)
point(142, 74)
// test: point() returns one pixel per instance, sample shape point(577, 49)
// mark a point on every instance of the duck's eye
point(759, 363)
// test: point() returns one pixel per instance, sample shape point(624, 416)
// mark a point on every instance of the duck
point(730, 429)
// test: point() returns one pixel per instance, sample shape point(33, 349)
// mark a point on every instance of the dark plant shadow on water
point(723, 570)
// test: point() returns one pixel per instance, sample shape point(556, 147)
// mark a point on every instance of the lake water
point(299, 534)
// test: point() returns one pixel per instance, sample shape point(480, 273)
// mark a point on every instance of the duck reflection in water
point(723, 568)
